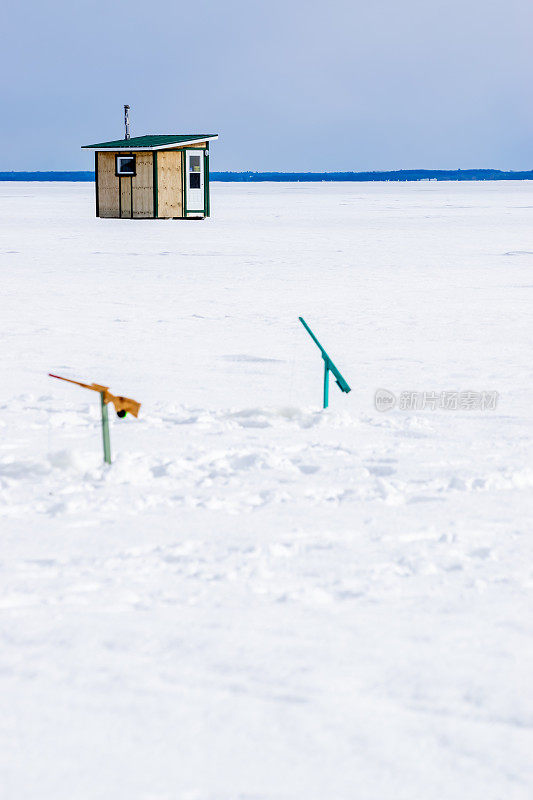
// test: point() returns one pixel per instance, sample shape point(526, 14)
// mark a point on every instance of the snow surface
point(259, 600)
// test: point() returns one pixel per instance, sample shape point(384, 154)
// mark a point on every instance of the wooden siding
point(143, 186)
point(198, 145)
point(125, 198)
point(169, 188)
point(108, 186)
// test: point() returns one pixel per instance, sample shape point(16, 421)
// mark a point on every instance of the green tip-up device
point(329, 366)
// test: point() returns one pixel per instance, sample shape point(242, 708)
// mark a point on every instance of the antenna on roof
point(127, 121)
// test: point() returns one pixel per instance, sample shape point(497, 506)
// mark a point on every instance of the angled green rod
point(329, 366)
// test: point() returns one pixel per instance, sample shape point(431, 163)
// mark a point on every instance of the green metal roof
point(153, 142)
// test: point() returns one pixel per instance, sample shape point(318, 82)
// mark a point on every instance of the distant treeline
point(47, 176)
point(392, 175)
point(251, 177)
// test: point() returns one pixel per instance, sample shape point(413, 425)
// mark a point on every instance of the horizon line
point(279, 176)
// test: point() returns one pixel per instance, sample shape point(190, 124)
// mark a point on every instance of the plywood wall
point(125, 198)
point(142, 185)
point(169, 187)
point(108, 186)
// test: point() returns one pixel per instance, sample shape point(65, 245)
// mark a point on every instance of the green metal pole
point(105, 431)
point(329, 366)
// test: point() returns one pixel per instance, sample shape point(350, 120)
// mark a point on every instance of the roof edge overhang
point(171, 146)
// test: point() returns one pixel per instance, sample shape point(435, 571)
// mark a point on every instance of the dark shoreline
point(313, 177)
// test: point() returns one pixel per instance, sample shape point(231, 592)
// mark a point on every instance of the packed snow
point(259, 599)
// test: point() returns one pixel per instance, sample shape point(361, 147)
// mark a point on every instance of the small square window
point(194, 180)
point(125, 165)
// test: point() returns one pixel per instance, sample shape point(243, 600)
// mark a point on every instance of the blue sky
point(287, 85)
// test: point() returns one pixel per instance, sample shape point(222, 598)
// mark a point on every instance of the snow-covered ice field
point(259, 600)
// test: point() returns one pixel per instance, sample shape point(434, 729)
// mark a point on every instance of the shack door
point(195, 180)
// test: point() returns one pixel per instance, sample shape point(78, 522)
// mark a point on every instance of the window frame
point(195, 172)
point(125, 174)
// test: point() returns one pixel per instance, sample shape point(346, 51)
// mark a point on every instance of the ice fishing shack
point(152, 177)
